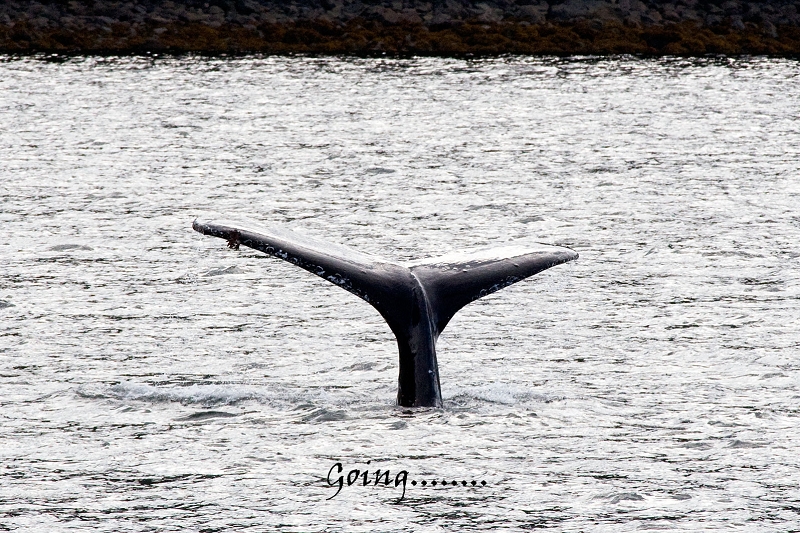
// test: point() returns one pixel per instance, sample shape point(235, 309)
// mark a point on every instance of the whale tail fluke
point(454, 280)
point(417, 299)
point(343, 266)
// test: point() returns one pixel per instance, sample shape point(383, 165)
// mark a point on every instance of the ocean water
point(154, 380)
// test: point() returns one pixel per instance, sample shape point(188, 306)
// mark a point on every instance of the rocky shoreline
point(449, 27)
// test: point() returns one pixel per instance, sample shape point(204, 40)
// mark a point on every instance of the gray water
point(154, 380)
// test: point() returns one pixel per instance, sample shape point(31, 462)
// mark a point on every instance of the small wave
point(362, 366)
point(499, 394)
point(205, 415)
point(325, 415)
point(68, 247)
point(206, 395)
point(220, 394)
point(224, 271)
point(380, 170)
point(625, 496)
point(745, 444)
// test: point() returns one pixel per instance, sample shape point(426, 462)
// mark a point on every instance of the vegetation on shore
point(371, 37)
point(455, 27)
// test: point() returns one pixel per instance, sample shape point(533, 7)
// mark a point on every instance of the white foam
point(499, 393)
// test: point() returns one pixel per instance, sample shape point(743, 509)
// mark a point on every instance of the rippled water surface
point(154, 380)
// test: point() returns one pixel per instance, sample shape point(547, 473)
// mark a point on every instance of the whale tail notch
point(417, 300)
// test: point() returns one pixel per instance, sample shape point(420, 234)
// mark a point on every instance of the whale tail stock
point(417, 300)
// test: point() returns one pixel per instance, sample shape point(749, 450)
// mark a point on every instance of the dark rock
point(40, 22)
point(535, 13)
point(440, 19)
point(732, 7)
point(770, 30)
point(670, 13)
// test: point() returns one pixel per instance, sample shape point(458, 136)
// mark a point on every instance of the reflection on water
point(153, 379)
